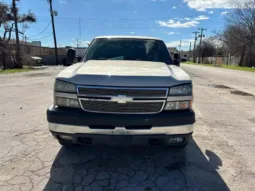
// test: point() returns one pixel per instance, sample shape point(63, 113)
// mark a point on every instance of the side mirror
point(70, 56)
point(176, 62)
point(176, 56)
point(78, 58)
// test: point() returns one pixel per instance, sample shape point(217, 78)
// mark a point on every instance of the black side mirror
point(176, 62)
point(176, 56)
point(176, 59)
point(70, 56)
point(78, 58)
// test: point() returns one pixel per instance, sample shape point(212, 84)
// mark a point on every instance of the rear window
point(128, 49)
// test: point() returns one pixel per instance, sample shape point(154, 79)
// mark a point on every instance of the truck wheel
point(66, 144)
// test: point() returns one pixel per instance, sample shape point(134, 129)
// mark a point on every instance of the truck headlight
point(178, 105)
point(66, 102)
point(61, 86)
point(181, 90)
point(65, 94)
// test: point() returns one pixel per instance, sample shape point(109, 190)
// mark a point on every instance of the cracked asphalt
point(220, 156)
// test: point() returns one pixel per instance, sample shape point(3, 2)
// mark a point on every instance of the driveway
point(220, 156)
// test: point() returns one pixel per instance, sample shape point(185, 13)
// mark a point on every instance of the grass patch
point(239, 68)
point(210, 65)
point(248, 69)
point(10, 71)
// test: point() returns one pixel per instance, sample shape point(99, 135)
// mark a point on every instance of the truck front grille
point(101, 106)
point(90, 91)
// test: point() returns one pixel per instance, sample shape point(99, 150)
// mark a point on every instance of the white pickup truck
point(125, 91)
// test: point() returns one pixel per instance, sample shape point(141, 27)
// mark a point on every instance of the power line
point(42, 37)
point(41, 31)
point(119, 19)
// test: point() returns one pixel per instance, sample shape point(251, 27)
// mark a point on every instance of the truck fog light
point(67, 102)
point(175, 140)
point(176, 105)
point(66, 137)
point(171, 105)
point(184, 105)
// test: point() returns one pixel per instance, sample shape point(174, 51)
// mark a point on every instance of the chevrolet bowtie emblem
point(121, 99)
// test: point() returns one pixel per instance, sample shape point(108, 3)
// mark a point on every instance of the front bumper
point(130, 129)
point(166, 130)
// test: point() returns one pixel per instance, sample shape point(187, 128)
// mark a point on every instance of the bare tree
point(7, 23)
point(208, 48)
point(239, 32)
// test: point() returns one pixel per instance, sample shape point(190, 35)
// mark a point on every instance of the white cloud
point(224, 13)
point(186, 24)
point(200, 18)
point(172, 33)
point(174, 7)
point(62, 1)
point(211, 12)
point(202, 5)
point(185, 43)
point(86, 42)
point(178, 24)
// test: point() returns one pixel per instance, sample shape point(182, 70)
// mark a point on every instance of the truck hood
point(124, 73)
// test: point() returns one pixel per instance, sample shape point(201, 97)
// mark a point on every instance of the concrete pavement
point(220, 156)
point(241, 80)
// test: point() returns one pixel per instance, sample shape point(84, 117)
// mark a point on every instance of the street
point(220, 157)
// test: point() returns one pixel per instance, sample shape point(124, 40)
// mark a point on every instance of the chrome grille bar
point(133, 107)
point(98, 91)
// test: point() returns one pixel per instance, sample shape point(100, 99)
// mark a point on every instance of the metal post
point(200, 48)
point(26, 48)
point(194, 49)
point(189, 48)
point(18, 58)
point(180, 48)
point(54, 32)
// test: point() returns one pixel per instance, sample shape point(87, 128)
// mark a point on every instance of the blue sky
point(171, 20)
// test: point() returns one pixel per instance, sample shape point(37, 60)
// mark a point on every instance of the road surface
point(220, 156)
point(241, 80)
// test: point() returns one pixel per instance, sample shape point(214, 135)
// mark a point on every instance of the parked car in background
point(125, 91)
point(184, 58)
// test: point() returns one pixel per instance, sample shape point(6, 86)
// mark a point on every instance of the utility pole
point(52, 14)
point(18, 58)
point(194, 49)
point(77, 43)
point(201, 39)
point(180, 47)
point(79, 28)
point(26, 47)
point(189, 48)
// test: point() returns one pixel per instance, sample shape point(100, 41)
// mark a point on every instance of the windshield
point(128, 49)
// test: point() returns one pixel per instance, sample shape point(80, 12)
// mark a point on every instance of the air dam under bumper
point(106, 127)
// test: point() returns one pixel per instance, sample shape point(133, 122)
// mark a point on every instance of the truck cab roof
point(130, 37)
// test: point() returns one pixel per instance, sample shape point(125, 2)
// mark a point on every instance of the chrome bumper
point(166, 130)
